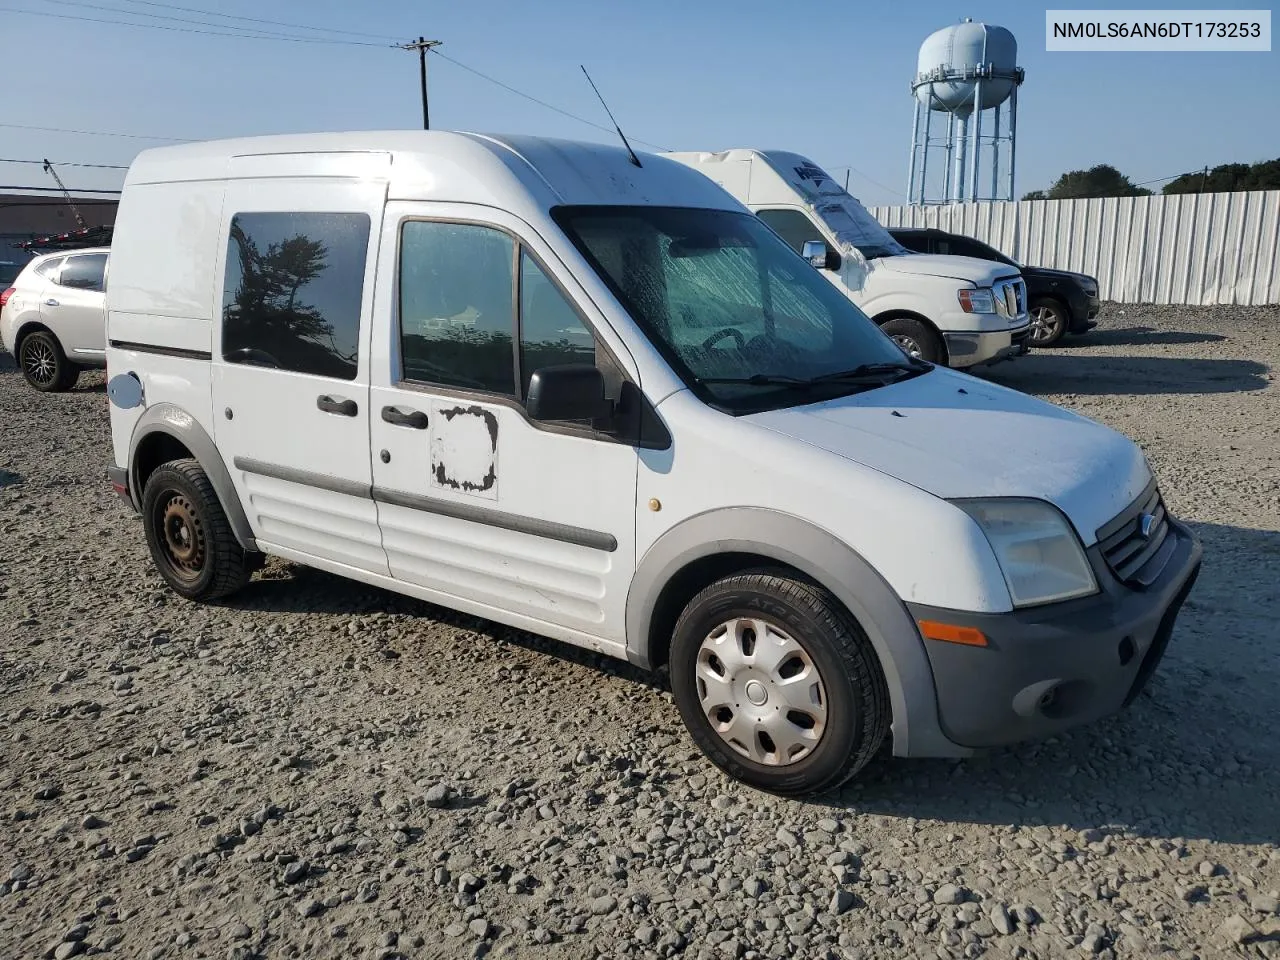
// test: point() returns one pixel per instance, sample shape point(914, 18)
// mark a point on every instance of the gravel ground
point(321, 769)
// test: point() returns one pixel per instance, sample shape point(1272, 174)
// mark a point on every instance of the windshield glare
point(722, 296)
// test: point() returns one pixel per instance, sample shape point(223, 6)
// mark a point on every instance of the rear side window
point(293, 289)
point(49, 269)
point(84, 272)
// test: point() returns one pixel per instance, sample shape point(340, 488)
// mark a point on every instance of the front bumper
point(971, 348)
point(1048, 668)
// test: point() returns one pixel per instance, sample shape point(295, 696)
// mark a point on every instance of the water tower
point(966, 75)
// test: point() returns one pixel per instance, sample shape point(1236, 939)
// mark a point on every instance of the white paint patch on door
point(464, 449)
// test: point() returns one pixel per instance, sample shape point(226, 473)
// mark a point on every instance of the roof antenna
point(634, 158)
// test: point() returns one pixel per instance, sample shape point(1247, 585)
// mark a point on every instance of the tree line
point(1105, 180)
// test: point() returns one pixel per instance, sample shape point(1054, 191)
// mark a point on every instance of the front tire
point(44, 364)
point(1048, 322)
point(190, 537)
point(916, 339)
point(777, 684)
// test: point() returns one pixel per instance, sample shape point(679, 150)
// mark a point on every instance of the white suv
point(53, 318)
point(592, 396)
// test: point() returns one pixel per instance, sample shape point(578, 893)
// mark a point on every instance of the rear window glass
point(49, 269)
point(293, 289)
point(84, 272)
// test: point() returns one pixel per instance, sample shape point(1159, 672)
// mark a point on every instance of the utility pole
point(1203, 177)
point(422, 46)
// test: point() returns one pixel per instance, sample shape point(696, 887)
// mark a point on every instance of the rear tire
point(1048, 322)
point(189, 535)
point(777, 684)
point(916, 339)
point(44, 364)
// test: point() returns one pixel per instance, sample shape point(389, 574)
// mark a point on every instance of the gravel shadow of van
point(1094, 375)
point(1136, 337)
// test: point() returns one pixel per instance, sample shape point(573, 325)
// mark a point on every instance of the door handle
point(344, 408)
point(414, 418)
point(51, 302)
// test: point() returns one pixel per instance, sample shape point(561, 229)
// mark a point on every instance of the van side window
point(293, 289)
point(457, 306)
point(792, 226)
point(84, 272)
point(551, 332)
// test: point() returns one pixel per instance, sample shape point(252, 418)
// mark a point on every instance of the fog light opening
point(1047, 698)
point(1127, 651)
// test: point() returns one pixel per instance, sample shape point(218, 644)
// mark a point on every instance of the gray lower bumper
point(1048, 668)
point(973, 349)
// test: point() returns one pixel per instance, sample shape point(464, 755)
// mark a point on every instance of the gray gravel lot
point(320, 769)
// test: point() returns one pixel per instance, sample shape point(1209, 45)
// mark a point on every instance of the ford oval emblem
point(1146, 524)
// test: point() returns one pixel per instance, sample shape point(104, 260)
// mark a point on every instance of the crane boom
point(48, 168)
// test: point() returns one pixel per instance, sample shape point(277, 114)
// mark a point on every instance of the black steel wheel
point(189, 535)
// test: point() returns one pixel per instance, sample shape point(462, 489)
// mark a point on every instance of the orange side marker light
point(968, 636)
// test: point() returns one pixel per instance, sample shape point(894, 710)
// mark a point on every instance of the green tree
point(1103, 180)
point(1229, 178)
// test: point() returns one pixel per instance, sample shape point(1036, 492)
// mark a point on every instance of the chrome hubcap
point(761, 692)
point(39, 362)
point(909, 346)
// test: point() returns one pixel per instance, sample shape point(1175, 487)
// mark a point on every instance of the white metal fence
point(1184, 248)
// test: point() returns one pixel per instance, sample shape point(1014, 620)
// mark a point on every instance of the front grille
point(1137, 544)
point(1011, 298)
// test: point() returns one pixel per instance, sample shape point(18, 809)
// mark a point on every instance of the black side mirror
point(570, 391)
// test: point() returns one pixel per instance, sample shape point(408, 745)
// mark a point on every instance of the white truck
point(954, 310)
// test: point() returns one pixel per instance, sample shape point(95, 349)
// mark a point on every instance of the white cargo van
point(597, 399)
point(953, 310)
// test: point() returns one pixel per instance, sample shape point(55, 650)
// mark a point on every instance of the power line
point(94, 133)
point(211, 33)
point(10, 186)
point(276, 23)
point(533, 99)
point(161, 16)
point(61, 163)
point(896, 193)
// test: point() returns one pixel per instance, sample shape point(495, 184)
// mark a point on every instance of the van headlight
point(1039, 554)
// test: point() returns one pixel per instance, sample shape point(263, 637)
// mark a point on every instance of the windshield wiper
point(761, 380)
point(863, 373)
point(875, 371)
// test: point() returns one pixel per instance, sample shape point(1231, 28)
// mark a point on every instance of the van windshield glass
point(854, 225)
point(742, 318)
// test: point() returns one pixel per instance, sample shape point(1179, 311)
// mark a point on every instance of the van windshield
point(742, 319)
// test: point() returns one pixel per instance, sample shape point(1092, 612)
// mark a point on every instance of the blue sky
point(829, 81)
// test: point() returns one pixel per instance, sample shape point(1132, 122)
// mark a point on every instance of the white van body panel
point(479, 456)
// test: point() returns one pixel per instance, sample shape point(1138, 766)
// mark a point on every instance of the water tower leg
point(924, 153)
point(995, 156)
point(1013, 138)
point(975, 134)
point(915, 146)
point(948, 175)
point(961, 125)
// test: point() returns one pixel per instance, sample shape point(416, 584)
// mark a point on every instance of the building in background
point(28, 216)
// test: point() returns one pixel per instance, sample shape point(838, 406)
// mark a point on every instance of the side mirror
point(819, 257)
point(571, 391)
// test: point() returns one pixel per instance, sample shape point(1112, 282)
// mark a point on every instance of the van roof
point(438, 165)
